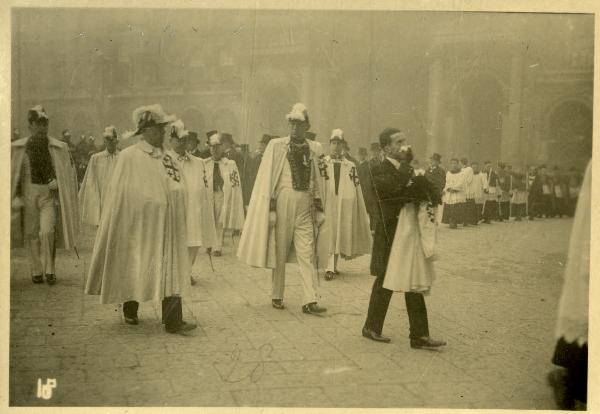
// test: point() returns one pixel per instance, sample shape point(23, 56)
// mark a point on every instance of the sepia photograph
point(299, 207)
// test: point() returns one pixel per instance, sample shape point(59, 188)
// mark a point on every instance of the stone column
point(434, 138)
point(511, 129)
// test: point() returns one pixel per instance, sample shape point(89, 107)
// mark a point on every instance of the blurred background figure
point(571, 353)
point(417, 167)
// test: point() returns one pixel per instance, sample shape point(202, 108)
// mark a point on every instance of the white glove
point(17, 203)
point(53, 185)
point(272, 218)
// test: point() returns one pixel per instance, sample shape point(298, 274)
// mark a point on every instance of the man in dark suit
point(252, 166)
point(389, 179)
point(436, 174)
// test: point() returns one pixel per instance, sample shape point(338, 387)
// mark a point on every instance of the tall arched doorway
point(483, 103)
point(569, 139)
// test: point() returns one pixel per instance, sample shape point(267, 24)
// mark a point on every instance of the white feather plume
point(299, 112)
point(337, 133)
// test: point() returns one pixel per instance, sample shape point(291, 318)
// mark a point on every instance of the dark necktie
point(217, 178)
point(336, 175)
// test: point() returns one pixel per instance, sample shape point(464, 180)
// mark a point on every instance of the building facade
point(510, 87)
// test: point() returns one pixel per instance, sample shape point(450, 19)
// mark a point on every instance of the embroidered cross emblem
point(354, 176)
point(205, 179)
point(172, 171)
point(323, 167)
point(234, 178)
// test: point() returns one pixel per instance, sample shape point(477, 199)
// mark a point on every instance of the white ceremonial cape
point(199, 216)
point(92, 191)
point(233, 204)
point(66, 177)
point(572, 322)
point(408, 269)
point(346, 230)
point(140, 252)
point(257, 243)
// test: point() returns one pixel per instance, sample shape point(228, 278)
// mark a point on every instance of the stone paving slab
point(494, 301)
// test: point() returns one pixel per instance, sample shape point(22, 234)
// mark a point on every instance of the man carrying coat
point(44, 189)
point(390, 179)
point(285, 207)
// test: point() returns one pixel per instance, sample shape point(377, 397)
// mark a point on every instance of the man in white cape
point(570, 382)
point(224, 191)
point(44, 191)
point(200, 225)
point(285, 207)
point(346, 230)
point(97, 175)
point(140, 252)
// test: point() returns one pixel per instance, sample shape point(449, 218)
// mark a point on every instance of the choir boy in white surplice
point(200, 224)
point(478, 189)
point(454, 195)
point(224, 189)
point(94, 186)
point(346, 229)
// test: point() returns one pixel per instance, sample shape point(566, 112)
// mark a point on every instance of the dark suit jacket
point(364, 176)
point(252, 165)
point(437, 177)
point(388, 186)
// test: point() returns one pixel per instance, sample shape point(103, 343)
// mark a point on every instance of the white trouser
point(192, 253)
point(218, 198)
point(332, 263)
point(295, 225)
point(40, 223)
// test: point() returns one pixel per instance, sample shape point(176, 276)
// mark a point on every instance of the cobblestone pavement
point(494, 301)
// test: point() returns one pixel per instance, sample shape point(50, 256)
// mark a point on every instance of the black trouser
point(380, 301)
point(470, 212)
point(504, 210)
point(490, 210)
point(572, 206)
point(575, 359)
point(172, 313)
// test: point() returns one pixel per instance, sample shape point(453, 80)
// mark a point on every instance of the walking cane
point(208, 251)
point(510, 203)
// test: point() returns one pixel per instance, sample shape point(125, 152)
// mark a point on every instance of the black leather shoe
point(132, 321)
point(426, 342)
point(192, 281)
point(50, 279)
point(183, 329)
point(217, 253)
point(278, 303)
point(329, 275)
point(37, 279)
point(313, 309)
point(367, 333)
